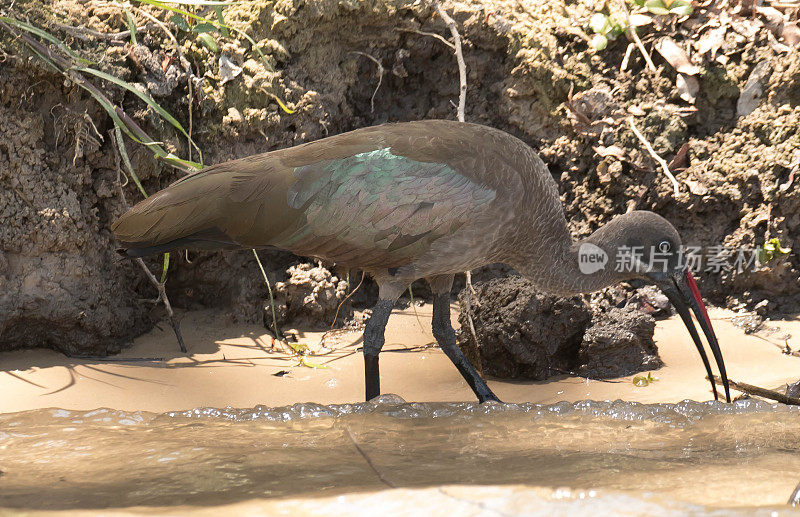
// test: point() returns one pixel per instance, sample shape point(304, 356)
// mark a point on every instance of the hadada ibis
point(411, 200)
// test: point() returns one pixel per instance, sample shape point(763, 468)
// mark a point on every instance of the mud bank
point(61, 285)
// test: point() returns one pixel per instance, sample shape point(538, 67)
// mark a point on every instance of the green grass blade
point(165, 268)
point(221, 19)
point(47, 37)
point(131, 25)
point(149, 101)
point(146, 98)
point(126, 159)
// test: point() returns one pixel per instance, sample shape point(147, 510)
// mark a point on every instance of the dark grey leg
point(446, 337)
point(373, 342)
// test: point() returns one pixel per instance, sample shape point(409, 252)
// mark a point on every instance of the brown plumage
point(423, 199)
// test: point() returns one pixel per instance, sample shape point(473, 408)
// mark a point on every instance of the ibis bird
point(403, 201)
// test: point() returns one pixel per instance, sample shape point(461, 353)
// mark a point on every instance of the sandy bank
point(236, 365)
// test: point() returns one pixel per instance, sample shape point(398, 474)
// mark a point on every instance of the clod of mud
point(311, 295)
point(618, 343)
point(523, 333)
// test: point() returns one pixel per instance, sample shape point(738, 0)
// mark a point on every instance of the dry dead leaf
point(773, 19)
point(696, 188)
point(776, 46)
point(745, 29)
point(791, 34)
point(640, 20)
point(611, 150)
point(711, 42)
point(687, 87)
point(750, 96)
point(679, 161)
point(676, 56)
point(228, 70)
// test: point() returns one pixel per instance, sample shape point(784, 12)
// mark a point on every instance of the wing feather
point(379, 204)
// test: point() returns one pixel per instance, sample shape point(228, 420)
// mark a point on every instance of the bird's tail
point(180, 216)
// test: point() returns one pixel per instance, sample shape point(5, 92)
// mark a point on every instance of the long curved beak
point(683, 293)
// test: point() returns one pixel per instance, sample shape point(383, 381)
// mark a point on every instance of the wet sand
point(236, 365)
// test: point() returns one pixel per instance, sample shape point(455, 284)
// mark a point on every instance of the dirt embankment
point(62, 286)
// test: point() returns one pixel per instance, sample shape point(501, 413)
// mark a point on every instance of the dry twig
point(760, 392)
point(162, 296)
point(631, 32)
point(431, 34)
point(462, 67)
point(86, 34)
point(462, 101)
point(160, 287)
point(381, 71)
point(351, 293)
point(655, 155)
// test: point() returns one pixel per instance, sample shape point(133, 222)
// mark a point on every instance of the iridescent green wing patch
point(379, 201)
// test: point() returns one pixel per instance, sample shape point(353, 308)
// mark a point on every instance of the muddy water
point(740, 456)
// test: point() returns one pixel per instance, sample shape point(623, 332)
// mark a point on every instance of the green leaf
point(640, 381)
point(772, 249)
point(308, 364)
point(218, 11)
point(598, 23)
point(180, 22)
point(201, 28)
point(598, 42)
point(682, 10)
point(656, 7)
point(131, 25)
point(207, 41)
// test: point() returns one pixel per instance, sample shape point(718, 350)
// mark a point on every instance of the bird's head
point(646, 246)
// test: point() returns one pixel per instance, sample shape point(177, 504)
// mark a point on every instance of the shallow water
point(743, 455)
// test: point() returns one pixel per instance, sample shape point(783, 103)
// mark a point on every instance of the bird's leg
point(373, 342)
point(446, 337)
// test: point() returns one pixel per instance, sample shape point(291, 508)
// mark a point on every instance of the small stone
point(793, 390)
point(748, 321)
point(761, 307)
point(650, 300)
point(234, 117)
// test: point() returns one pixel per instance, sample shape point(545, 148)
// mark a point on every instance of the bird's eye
point(664, 246)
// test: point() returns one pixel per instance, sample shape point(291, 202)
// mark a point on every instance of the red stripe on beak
point(697, 298)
